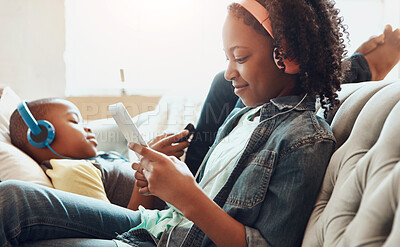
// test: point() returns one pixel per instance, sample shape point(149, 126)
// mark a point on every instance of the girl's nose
point(87, 129)
point(231, 73)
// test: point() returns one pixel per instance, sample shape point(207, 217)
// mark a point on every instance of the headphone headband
point(262, 15)
point(28, 118)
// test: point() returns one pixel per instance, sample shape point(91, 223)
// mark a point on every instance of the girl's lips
point(237, 86)
point(240, 86)
point(239, 89)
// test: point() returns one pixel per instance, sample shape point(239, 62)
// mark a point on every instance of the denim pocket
point(252, 185)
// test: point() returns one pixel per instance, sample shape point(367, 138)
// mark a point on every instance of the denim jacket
point(274, 185)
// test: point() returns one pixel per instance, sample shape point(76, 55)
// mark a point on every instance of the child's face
point(251, 67)
point(72, 139)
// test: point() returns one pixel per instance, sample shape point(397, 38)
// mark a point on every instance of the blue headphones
point(40, 133)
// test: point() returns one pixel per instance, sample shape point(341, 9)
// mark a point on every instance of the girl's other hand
point(168, 178)
point(141, 181)
point(166, 144)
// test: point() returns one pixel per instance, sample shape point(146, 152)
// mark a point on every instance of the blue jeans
point(32, 212)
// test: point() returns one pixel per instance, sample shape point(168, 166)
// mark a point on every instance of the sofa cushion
point(357, 168)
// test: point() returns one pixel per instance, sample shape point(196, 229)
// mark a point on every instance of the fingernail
point(135, 147)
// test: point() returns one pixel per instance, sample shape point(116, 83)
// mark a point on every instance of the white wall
point(32, 46)
point(160, 44)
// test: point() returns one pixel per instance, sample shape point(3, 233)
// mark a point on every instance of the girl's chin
point(247, 101)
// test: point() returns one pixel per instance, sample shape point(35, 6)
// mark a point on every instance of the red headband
point(261, 14)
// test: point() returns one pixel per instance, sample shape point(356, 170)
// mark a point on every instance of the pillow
point(15, 164)
point(8, 103)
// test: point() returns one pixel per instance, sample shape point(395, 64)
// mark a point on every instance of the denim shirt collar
point(285, 103)
point(282, 103)
point(275, 106)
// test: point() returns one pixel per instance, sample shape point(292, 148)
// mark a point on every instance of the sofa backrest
point(361, 189)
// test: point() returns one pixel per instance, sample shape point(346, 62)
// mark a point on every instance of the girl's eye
point(74, 121)
point(241, 60)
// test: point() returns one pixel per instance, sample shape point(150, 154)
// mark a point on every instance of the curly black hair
point(311, 32)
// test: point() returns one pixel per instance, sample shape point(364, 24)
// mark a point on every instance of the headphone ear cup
point(45, 137)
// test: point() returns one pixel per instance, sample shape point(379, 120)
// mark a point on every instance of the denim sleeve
point(291, 195)
point(359, 70)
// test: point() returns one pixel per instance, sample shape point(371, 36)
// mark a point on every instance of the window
point(159, 44)
point(170, 44)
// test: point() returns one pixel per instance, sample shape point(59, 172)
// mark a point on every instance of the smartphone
point(126, 125)
point(191, 129)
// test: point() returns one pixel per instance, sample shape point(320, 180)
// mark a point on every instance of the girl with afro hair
point(259, 181)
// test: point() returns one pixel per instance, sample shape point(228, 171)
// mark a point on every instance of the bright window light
point(160, 45)
point(170, 44)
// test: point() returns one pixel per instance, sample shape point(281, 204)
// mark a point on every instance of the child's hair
point(310, 32)
point(18, 129)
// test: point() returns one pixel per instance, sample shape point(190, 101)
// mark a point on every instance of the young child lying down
point(71, 160)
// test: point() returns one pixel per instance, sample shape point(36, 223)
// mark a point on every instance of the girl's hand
point(166, 144)
point(141, 181)
point(168, 177)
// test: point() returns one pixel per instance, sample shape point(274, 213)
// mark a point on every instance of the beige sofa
point(359, 196)
point(358, 200)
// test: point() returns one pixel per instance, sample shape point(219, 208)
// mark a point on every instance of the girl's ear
point(288, 66)
point(279, 63)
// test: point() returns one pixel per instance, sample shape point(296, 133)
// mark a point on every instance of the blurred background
point(77, 48)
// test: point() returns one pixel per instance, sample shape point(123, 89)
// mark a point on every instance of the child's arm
point(171, 180)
